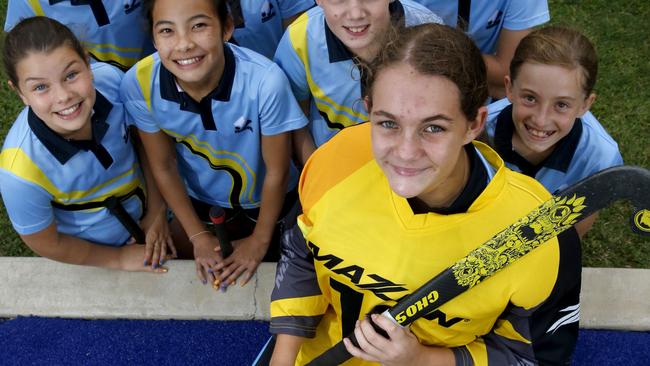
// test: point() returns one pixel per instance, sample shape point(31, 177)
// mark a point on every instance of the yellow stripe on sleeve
point(143, 72)
point(36, 6)
point(299, 306)
point(21, 165)
point(478, 350)
point(505, 329)
point(335, 112)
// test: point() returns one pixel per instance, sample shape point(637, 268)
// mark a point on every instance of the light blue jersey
point(258, 23)
point(46, 178)
point(488, 17)
point(587, 149)
point(112, 31)
point(322, 69)
point(218, 140)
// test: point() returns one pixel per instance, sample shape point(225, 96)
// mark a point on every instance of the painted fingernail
point(162, 261)
point(223, 287)
point(204, 281)
point(155, 265)
point(210, 270)
point(145, 263)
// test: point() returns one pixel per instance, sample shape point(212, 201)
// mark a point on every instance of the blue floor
point(52, 341)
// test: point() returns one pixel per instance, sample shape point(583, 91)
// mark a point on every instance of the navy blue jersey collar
point(98, 9)
point(476, 183)
point(335, 47)
point(169, 90)
point(560, 158)
point(63, 149)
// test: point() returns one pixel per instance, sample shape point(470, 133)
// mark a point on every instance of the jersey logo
point(642, 220)
point(371, 282)
point(131, 5)
point(573, 316)
point(242, 124)
point(267, 11)
point(494, 20)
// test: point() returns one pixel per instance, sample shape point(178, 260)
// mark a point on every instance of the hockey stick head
point(630, 183)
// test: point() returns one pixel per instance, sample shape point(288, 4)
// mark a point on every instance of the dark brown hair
point(220, 8)
point(560, 46)
point(36, 34)
point(435, 49)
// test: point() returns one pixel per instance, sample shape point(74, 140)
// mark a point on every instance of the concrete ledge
point(38, 286)
point(615, 298)
point(611, 298)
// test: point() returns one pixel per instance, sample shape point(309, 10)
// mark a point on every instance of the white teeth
point(69, 111)
point(357, 29)
point(538, 133)
point(188, 61)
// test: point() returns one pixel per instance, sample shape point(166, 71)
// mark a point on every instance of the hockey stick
point(545, 222)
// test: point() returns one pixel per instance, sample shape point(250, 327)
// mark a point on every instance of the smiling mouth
point(188, 61)
point(69, 111)
point(407, 172)
point(538, 133)
point(357, 30)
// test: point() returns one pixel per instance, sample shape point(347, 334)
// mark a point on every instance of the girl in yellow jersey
point(413, 195)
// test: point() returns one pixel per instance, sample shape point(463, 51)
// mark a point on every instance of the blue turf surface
point(52, 341)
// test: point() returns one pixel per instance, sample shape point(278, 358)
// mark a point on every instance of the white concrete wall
point(611, 298)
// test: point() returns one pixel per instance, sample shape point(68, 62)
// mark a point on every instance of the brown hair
point(560, 46)
point(220, 8)
point(435, 49)
point(36, 34)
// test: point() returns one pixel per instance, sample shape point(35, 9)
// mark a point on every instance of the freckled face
point(58, 86)
point(418, 134)
point(546, 100)
point(359, 24)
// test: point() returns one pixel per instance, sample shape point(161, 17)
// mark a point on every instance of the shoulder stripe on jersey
point(111, 52)
point(233, 163)
point(300, 306)
point(336, 113)
point(138, 192)
point(325, 169)
point(143, 73)
point(505, 329)
point(36, 6)
point(15, 161)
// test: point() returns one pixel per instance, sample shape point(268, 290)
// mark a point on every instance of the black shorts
point(240, 222)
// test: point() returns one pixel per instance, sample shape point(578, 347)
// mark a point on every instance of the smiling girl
point(70, 176)
point(321, 53)
point(544, 128)
point(414, 195)
point(215, 121)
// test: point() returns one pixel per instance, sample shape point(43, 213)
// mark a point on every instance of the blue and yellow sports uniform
point(258, 23)
point(322, 69)
point(488, 17)
point(360, 246)
point(112, 31)
point(587, 149)
point(218, 139)
point(45, 178)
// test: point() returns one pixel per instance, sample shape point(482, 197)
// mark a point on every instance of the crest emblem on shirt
point(267, 11)
point(131, 5)
point(242, 124)
point(495, 19)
